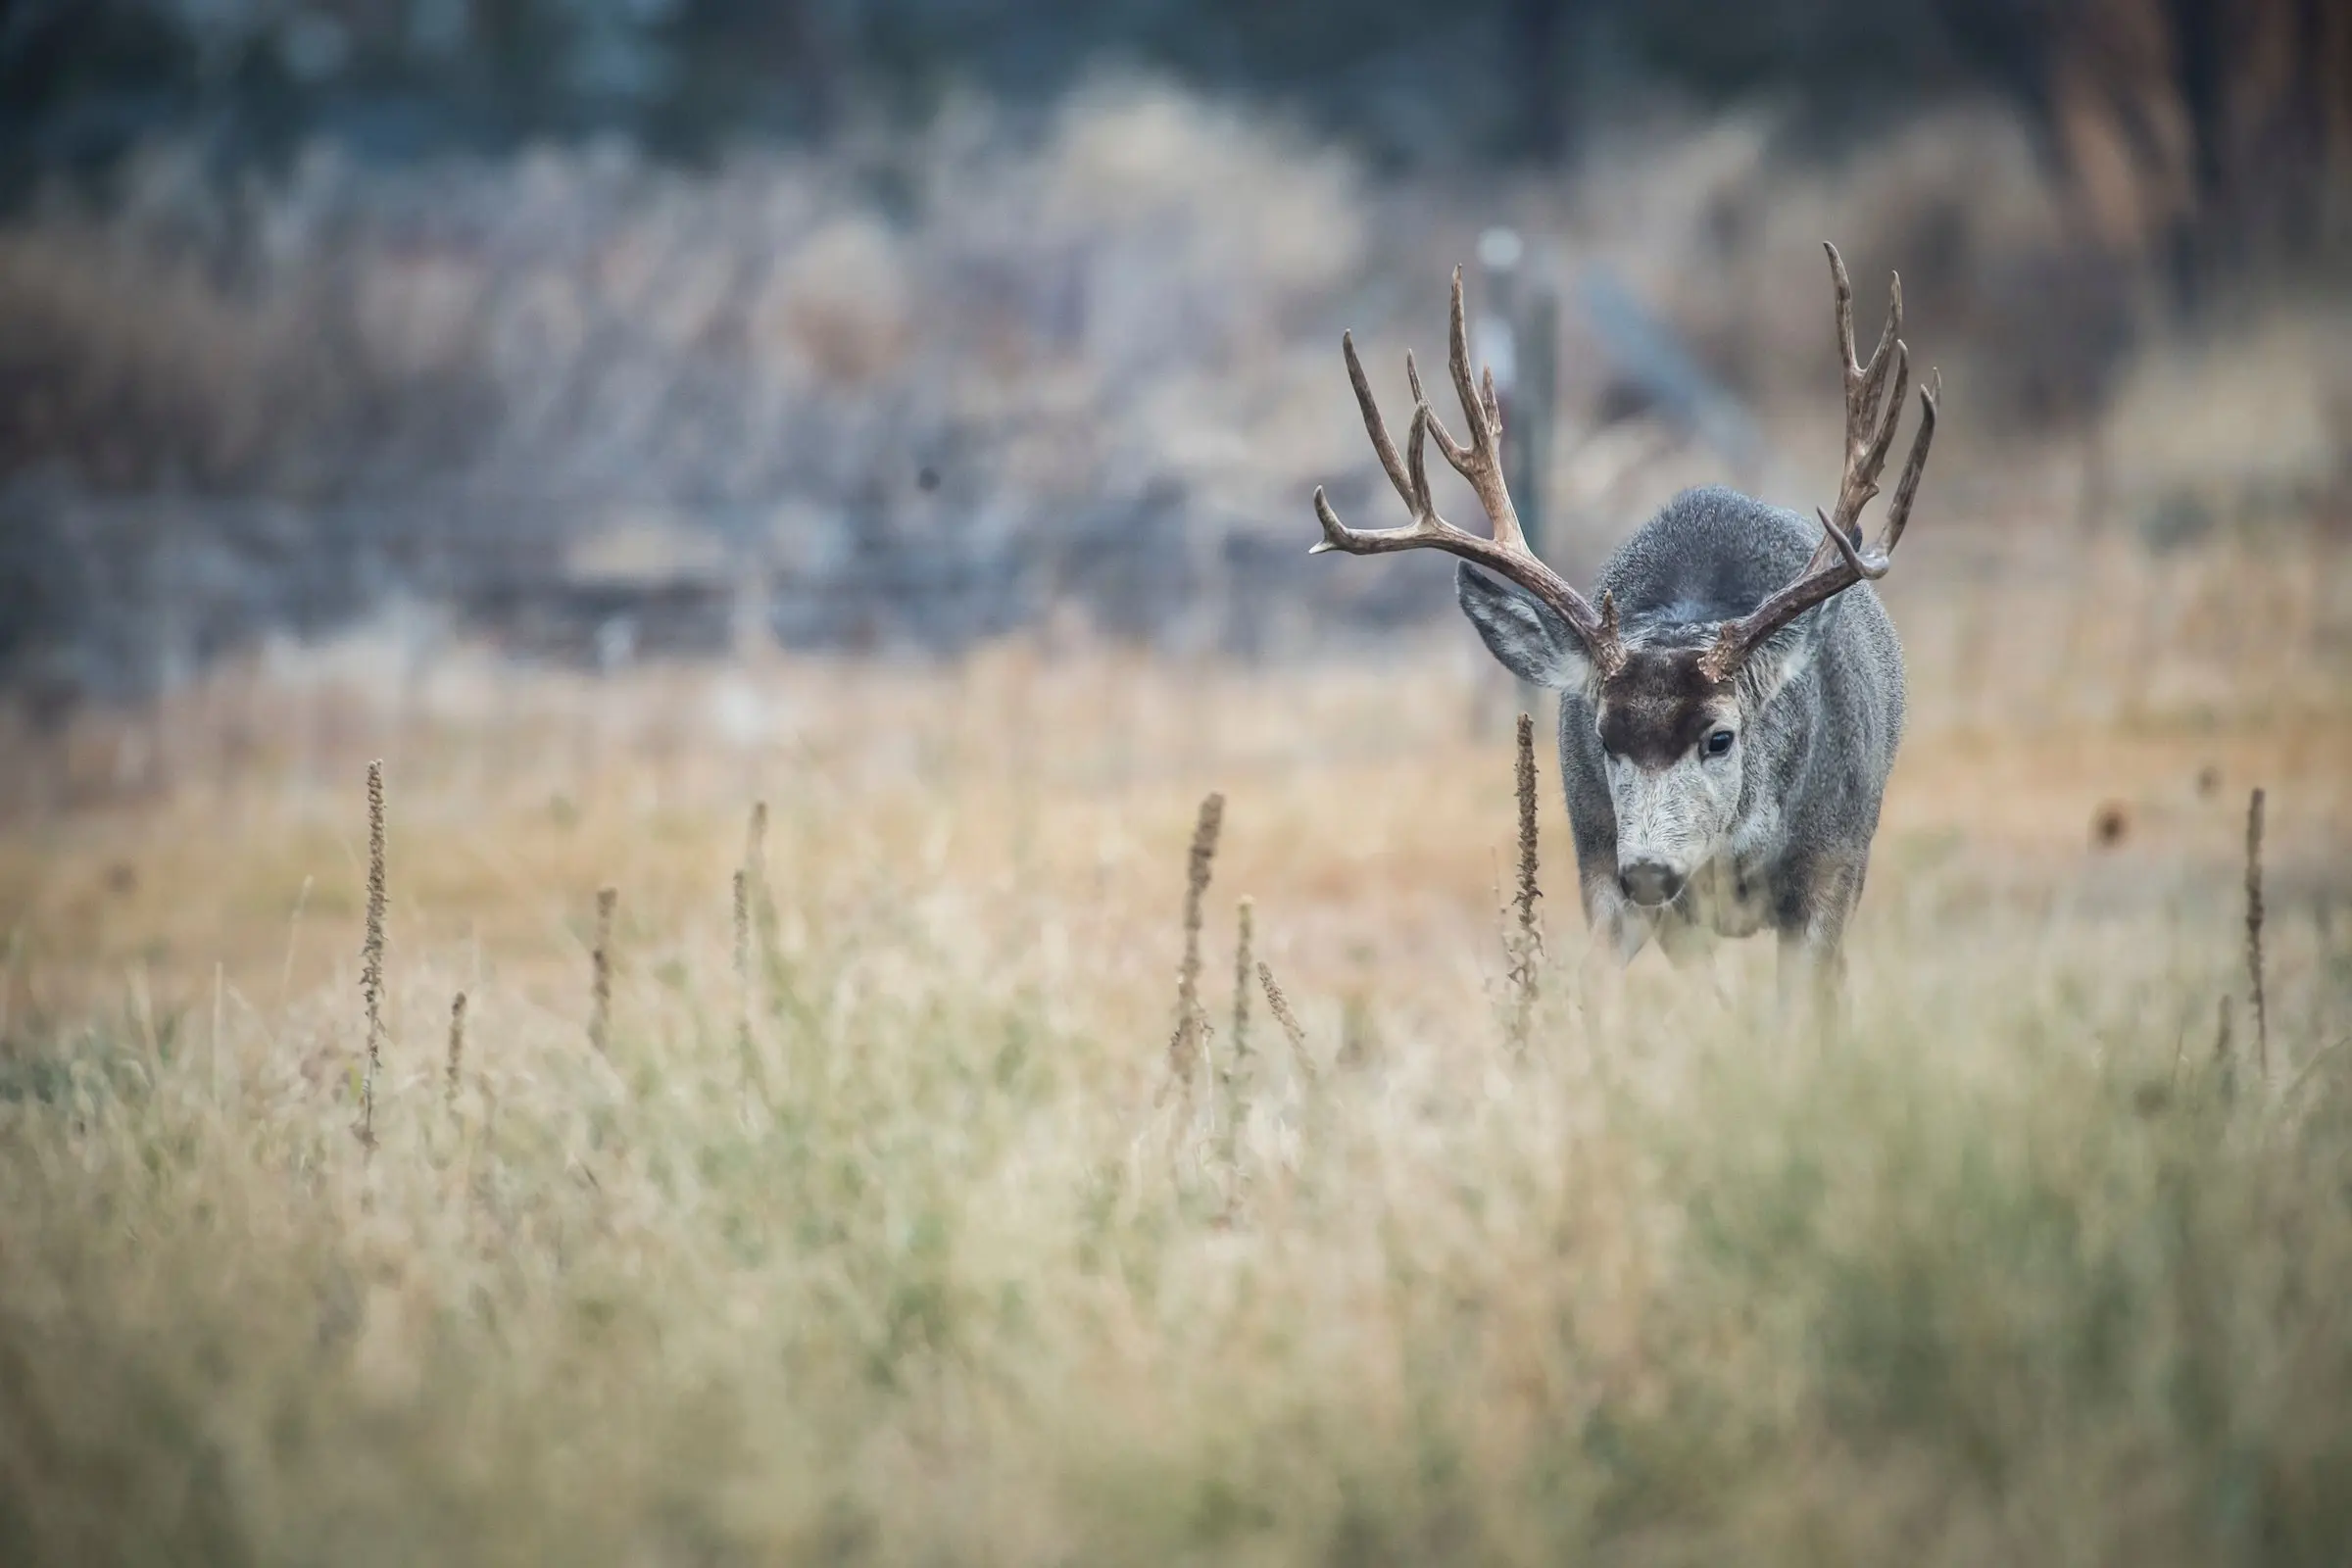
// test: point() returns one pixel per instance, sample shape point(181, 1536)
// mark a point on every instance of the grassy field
point(875, 1229)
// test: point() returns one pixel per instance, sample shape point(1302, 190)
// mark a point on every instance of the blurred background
point(606, 331)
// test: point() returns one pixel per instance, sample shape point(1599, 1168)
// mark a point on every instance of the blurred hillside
point(611, 328)
point(1495, 78)
point(2223, 83)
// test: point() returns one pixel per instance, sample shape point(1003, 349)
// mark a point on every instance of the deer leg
point(1812, 979)
point(1812, 927)
point(1619, 932)
point(1690, 947)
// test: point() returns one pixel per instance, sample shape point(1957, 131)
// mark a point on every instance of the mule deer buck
point(1730, 713)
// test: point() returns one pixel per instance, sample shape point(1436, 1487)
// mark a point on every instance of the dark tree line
point(2221, 116)
point(80, 79)
point(2201, 126)
point(2202, 131)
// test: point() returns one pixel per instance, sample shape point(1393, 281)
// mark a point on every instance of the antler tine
point(1412, 384)
point(1873, 369)
point(1860, 374)
point(1872, 566)
point(1458, 366)
point(1479, 463)
point(1873, 415)
point(1505, 554)
point(1374, 426)
point(1409, 474)
point(1416, 462)
point(1841, 289)
point(1740, 638)
point(1428, 419)
point(1873, 460)
point(1898, 510)
point(1482, 402)
point(1861, 481)
point(1465, 385)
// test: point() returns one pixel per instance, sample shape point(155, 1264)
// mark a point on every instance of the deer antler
point(1872, 414)
point(1506, 553)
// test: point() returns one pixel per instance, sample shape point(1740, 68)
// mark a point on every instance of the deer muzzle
point(1649, 883)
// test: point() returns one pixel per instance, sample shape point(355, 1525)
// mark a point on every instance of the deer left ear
point(1784, 655)
point(1524, 634)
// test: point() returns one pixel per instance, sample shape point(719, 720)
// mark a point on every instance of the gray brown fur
point(1818, 714)
point(1655, 708)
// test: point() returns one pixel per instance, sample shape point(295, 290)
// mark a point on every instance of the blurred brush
point(1654, 358)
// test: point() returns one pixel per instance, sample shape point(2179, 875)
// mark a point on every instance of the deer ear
point(1785, 655)
point(1526, 635)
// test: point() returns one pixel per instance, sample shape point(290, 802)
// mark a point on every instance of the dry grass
point(2004, 1275)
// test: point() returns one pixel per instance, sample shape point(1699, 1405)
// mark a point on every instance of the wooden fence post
point(1516, 333)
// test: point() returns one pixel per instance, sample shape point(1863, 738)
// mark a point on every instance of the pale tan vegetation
point(1146, 289)
point(863, 1238)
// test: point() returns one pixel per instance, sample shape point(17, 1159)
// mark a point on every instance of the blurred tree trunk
point(1539, 34)
point(2204, 237)
point(792, 34)
point(2201, 135)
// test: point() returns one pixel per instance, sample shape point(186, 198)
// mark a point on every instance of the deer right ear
point(1526, 635)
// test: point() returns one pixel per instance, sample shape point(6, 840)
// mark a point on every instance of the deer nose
point(1649, 882)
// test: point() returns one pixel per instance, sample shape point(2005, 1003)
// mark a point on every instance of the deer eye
point(1719, 743)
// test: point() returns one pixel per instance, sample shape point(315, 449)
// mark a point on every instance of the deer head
point(1670, 701)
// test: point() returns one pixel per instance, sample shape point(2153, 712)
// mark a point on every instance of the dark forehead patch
point(1654, 709)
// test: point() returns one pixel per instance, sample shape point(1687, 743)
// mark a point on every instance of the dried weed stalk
point(2262, 1019)
point(1526, 941)
point(1192, 1024)
point(746, 1053)
point(1237, 1072)
point(1280, 1006)
point(759, 931)
point(2225, 1055)
point(600, 991)
point(372, 953)
point(1245, 923)
point(457, 1046)
point(743, 961)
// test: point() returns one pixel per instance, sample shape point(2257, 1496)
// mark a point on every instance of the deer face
point(1673, 733)
point(1669, 747)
